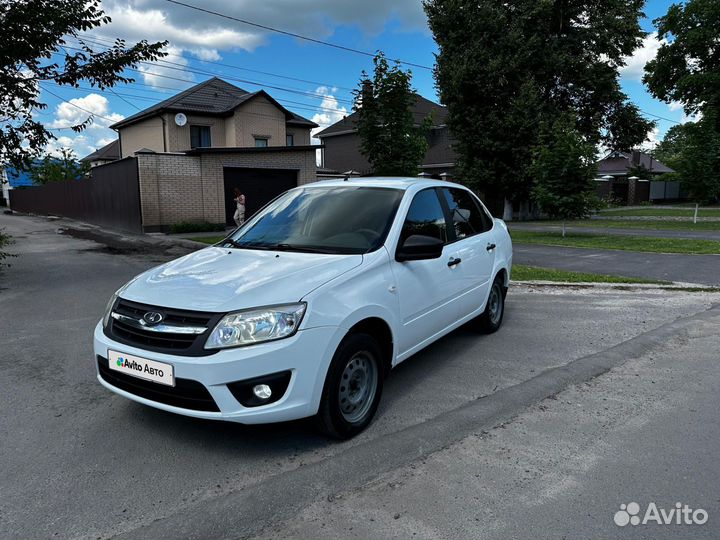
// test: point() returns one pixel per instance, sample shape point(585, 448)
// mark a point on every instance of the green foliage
point(687, 69)
point(687, 66)
point(564, 168)
point(699, 163)
point(34, 34)
point(190, 227)
point(390, 137)
point(641, 171)
point(58, 168)
point(505, 68)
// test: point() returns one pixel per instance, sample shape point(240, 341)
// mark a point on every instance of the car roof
point(397, 182)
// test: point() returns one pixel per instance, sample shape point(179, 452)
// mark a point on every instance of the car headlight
point(256, 325)
point(108, 308)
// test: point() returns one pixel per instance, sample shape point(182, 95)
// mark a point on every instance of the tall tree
point(687, 69)
point(563, 167)
point(391, 138)
point(504, 68)
point(33, 50)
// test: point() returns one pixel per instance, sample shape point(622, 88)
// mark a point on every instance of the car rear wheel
point(491, 319)
point(353, 387)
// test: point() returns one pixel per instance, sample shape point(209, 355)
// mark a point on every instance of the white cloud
point(76, 111)
point(634, 67)
point(691, 117)
point(675, 105)
point(329, 112)
point(653, 138)
point(168, 76)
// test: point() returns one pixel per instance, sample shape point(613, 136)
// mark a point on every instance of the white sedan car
point(305, 309)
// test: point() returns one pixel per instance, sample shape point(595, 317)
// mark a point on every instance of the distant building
point(342, 144)
point(634, 177)
point(106, 154)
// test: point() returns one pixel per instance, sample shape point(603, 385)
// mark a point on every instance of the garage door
point(259, 186)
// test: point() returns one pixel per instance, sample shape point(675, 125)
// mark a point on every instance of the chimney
point(635, 161)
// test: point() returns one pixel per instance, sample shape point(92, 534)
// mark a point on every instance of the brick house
point(634, 177)
point(342, 144)
point(191, 150)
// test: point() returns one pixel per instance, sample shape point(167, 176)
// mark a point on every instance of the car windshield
point(340, 219)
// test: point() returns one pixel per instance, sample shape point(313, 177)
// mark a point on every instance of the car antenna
point(349, 173)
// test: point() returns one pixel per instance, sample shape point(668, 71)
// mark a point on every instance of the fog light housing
point(262, 391)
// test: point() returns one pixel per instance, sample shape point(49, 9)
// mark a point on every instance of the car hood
point(221, 279)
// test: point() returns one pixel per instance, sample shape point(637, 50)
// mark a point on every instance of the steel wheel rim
point(358, 384)
point(495, 304)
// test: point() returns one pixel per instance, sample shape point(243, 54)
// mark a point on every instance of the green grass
point(625, 243)
point(660, 212)
point(521, 272)
point(207, 239)
point(641, 224)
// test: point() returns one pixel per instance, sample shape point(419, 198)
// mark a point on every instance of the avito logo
point(680, 515)
point(129, 364)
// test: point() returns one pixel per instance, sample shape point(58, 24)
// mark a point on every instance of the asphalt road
point(81, 462)
point(701, 269)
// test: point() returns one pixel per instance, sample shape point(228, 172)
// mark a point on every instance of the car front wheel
point(353, 387)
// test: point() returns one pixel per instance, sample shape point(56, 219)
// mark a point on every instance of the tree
point(670, 150)
point(687, 69)
point(33, 50)
point(392, 140)
point(564, 167)
point(58, 168)
point(505, 68)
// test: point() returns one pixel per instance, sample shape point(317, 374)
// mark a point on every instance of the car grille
point(124, 327)
point(186, 394)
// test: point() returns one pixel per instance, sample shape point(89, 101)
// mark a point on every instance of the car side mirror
point(419, 247)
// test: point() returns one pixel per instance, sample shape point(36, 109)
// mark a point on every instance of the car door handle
point(453, 261)
point(490, 247)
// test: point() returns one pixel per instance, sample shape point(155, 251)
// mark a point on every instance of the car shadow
point(281, 439)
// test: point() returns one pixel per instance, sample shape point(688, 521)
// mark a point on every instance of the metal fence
point(109, 198)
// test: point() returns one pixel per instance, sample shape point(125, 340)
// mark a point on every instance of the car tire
point(491, 319)
point(353, 387)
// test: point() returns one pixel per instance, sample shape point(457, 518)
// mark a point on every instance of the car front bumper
point(306, 355)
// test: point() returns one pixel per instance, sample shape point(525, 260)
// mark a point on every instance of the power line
point(292, 34)
point(99, 41)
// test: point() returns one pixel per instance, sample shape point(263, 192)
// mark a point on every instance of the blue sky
point(327, 75)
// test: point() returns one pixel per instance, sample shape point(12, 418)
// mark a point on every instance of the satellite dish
point(180, 119)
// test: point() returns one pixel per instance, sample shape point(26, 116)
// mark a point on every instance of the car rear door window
point(468, 218)
point(425, 216)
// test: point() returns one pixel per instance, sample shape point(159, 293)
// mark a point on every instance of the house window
point(289, 140)
point(200, 137)
point(261, 142)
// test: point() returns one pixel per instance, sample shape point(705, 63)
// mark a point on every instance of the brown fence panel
point(109, 198)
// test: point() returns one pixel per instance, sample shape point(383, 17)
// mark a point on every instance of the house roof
point(421, 109)
point(109, 152)
point(213, 97)
point(622, 162)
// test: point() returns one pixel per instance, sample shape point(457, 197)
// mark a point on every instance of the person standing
point(239, 199)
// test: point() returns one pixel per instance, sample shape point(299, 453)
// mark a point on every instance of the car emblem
point(152, 318)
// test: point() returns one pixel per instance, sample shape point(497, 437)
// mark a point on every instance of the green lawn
point(521, 272)
point(659, 212)
point(656, 225)
point(626, 243)
point(207, 239)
